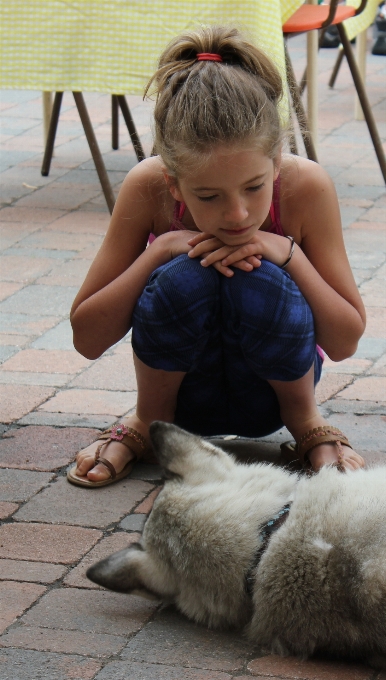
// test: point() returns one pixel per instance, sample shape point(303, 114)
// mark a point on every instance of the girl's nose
point(236, 212)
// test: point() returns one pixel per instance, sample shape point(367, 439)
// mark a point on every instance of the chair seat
point(311, 17)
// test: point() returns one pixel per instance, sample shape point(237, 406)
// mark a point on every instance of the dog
point(299, 561)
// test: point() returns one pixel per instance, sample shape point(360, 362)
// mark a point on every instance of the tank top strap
point(178, 213)
point(274, 211)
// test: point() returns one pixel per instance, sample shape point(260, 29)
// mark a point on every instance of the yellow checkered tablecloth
point(112, 46)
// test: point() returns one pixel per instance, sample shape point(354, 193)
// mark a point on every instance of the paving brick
point(32, 572)
point(91, 402)
point(7, 509)
point(371, 226)
point(45, 542)
point(8, 288)
point(70, 273)
point(67, 641)
point(65, 503)
point(20, 485)
point(43, 448)
point(330, 384)
point(291, 668)
point(47, 361)
point(17, 340)
point(117, 541)
point(27, 324)
point(15, 598)
point(42, 300)
point(99, 422)
point(19, 214)
point(366, 433)
point(28, 378)
point(379, 368)
point(171, 639)
point(20, 664)
point(147, 504)
point(61, 241)
point(120, 670)
point(376, 322)
point(352, 366)
point(114, 372)
point(367, 389)
point(6, 352)
point(133, 522)
point(67, 197)
point(59, 337)
point(375, 408)
point(16, 402)
point(370, 348)
point(24, 269)
point(91, 611)
point(373, 292)
point(147, 472)
point(81, 222)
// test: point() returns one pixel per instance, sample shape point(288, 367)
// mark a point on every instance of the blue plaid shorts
point(230, 335)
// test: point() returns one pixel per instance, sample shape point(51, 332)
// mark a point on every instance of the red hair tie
point(207, 56)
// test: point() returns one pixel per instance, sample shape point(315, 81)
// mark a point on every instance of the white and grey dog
point(316, 584)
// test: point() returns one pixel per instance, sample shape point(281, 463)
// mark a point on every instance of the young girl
point(245, 276)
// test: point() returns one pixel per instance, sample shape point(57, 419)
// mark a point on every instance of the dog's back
point(322, 583)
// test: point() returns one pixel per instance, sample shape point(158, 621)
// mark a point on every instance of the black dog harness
point(265, 534)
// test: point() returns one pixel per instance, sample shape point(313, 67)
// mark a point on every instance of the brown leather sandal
point(324, 434)
point(125, 435)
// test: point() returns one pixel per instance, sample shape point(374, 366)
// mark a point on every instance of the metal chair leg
point(336, 68)
point(299, 108)
point(131, 127)
point(362, 95)
point(51, 134)
point(94, 148)
point(114, 123)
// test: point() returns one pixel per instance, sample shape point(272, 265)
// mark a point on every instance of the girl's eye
point(206, 198)
point(256, 188)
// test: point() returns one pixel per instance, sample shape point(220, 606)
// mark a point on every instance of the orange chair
point(318, 17)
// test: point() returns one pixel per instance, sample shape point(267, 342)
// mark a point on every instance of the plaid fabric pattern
point(230, 336)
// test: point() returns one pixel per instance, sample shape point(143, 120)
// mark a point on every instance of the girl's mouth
point(236, 232)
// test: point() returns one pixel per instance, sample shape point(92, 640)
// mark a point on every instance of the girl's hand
point(174, 243)
point(244, 256)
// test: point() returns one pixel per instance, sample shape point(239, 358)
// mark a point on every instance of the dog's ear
point(121, 572)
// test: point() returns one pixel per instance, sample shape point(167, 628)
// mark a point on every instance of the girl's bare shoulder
point(306, 193)
point(146, 177)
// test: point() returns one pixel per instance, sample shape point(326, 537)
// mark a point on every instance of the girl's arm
point(102, 310)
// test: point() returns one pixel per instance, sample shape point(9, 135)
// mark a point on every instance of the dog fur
point(320, 586)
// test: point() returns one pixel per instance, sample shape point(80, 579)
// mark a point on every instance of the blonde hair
point(200, 104)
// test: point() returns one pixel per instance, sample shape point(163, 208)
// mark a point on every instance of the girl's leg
point(300, 414)
point(171, 326)
point(271, 322)
point(157, 394)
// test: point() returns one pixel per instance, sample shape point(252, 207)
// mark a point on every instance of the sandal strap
point(109, 466)
point(325, 434)
point(127, 436)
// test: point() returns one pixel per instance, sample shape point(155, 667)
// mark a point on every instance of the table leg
point(360, 88)
point(94, 148)
point(47, 111)
point(114, 122)
point(131, 127)
point(51, 134)
point(312, 85)
point(361, 44)
point(299, 108)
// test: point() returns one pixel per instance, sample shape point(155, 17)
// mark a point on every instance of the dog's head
point(188, 456)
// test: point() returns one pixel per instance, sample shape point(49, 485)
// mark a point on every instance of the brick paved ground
point(54, 623)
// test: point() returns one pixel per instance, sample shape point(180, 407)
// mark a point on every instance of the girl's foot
point(115, 452)
point(325, 444)
point(328, 454)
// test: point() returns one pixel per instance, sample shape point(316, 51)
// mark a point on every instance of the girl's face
point(230, 196)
